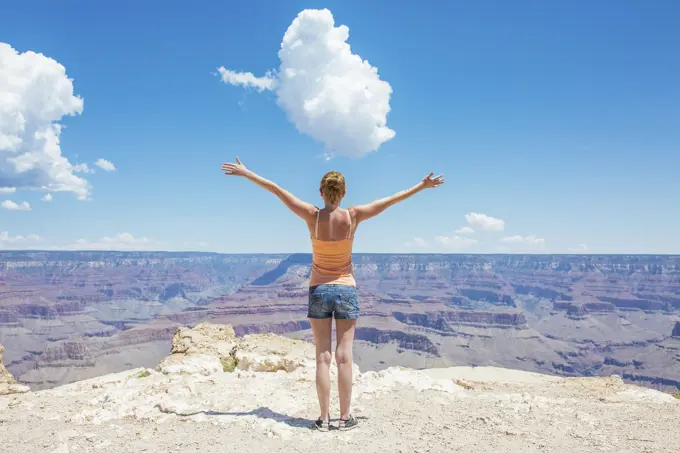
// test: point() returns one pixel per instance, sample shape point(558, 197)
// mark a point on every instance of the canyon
point(69, 316)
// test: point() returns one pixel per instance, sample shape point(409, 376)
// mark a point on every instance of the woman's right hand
point(429, 182)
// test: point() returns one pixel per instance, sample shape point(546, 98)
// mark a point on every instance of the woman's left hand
point(237, 169)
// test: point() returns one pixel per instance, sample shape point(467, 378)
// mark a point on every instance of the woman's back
point(332, 241)
point(335, 225)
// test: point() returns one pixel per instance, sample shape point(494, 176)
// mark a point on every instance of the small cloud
point(121, 241)
point(526, 243)
point(17, 242)
point(199, 244)
point(8, 189)
point(82, 168)
point(247, 79)
point(47, 197)
point(465, 230)
point(527, 240)
point(416, 242)
point(582, 248)
point(455, 242)
point(328, 92)
point(485, 222)
point(12, 206)
point(105, 165)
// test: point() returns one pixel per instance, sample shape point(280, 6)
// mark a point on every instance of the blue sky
point(562, 119)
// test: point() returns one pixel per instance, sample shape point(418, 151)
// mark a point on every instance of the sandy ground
point(400, 410)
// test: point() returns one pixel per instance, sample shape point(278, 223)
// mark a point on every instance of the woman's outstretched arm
point(364, 212)
point(301, 208)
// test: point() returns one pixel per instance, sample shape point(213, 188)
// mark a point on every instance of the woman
point(332, 288)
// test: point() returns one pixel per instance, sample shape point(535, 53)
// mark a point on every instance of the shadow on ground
point(261, 412)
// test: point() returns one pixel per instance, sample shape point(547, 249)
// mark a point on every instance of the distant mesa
point(676, 330)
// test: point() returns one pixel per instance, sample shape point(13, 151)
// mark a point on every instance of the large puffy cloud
point(328, 92)
point(485, 222)
point(35, 93)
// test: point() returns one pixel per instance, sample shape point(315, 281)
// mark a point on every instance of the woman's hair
point(333, 186)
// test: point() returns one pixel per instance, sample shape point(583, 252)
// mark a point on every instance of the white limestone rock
point(8, 384)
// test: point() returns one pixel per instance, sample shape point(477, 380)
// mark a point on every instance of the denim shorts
point(328, 301)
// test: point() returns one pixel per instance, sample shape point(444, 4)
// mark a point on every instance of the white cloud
point(328, 92)
point(465, 230)
point(455, 242)
point(525, 240)
point(105, 165)
point(121, 241)
point(47, 197)
point(582, 248)
point(247, 79)
point(35, 93)
point(82, 168)
point(196, 244)
point(17, 242)
point(12, 206)
point(8, 189)
point(485, 222)
point(416, 242)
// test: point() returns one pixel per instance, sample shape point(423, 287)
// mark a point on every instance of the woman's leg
point(322, 329)
point(343, 356)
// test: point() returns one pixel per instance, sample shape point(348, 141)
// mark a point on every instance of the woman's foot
point(347, 424)
point(322, 425)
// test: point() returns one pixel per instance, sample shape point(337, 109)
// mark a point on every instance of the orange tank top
point(332, 260)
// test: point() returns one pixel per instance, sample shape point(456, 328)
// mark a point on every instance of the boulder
point(212, 348)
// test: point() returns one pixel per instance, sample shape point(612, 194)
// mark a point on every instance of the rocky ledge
point(218, 392)
point(8, 384)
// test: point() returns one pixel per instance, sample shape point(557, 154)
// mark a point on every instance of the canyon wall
point(69, 315)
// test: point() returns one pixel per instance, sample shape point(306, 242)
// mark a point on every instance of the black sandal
point(322, 425)
point(346, 425)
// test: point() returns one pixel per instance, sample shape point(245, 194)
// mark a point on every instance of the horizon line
point(354, 253)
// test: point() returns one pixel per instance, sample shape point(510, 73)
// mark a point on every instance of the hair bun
point(333, 186)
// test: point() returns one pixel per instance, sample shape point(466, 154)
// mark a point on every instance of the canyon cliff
point(67, 316)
